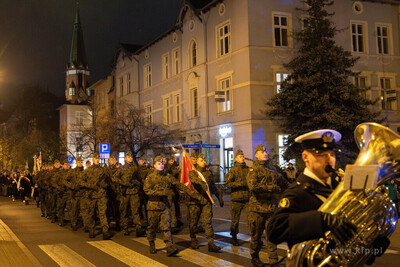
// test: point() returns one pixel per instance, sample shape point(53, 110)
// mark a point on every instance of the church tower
point(77, 73)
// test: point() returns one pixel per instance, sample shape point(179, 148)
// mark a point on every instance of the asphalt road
point(26, 239)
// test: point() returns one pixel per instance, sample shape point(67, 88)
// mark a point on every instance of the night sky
point(35, 37)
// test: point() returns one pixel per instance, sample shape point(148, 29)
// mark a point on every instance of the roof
point(78, 54)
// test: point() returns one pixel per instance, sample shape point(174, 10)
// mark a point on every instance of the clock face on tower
point(81, 94)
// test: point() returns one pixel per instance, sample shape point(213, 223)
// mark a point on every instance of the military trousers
point(258, 222)
point(43, 201)
point(160, 218)
point(195, 211)
point(131, 202)
point(62, 199)
point(99, 205)
point(52, 201)
point(236, 210)
point(75, 209)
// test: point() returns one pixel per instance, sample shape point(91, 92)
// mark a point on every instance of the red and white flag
point(186, 167)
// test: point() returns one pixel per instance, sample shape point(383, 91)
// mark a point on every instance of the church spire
point(78, 54)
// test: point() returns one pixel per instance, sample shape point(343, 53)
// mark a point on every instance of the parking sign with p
point(104, 148)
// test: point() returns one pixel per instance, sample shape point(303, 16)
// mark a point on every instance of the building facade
point(236, 49)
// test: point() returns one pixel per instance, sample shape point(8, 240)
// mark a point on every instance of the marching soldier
point(54, 189)
point(173, 170)
point(143, 171)
point(65, 190)
point(262, 181)
point(43, 186)
point(128, 179)
point(77, 193)
point(113, 193)
point(96, 182)
point(159, 186)
point(240, 194)
point(199, 203)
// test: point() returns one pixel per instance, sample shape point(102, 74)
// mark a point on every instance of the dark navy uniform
point(298, 206)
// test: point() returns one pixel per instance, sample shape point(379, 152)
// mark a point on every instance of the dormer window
point(71, 91)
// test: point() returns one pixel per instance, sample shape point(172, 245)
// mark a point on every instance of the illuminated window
point(177, 108)
point(149, 115)
point(71, 91)
point(225, 86)
point(280, 77)
point(167, 111)
point(388, 94)
point(79, 117)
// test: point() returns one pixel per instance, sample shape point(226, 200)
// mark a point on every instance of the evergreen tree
point(318, 92)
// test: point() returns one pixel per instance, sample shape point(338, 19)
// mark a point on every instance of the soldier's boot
point(212, 247)
point(234, 241)
point(194, 244)
point(26, 202)
point(107, 235)
point(62, 223)
point(153, 249)
point(172, 250)
point(37, 204)
point(257, 262)
point(43, 215)
point(91, 233)
point(74, 227)
point(140, 232)
point(53, 220)
point(126, 231)
point(179, 223)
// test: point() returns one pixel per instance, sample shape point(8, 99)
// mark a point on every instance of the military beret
point(259, 147)
point(79, 159)
point(142, 158)
point(112, 156)
point(193, 155)
point(239, 152)
point(96, 155)
point(88, 162)
point(158, 158)
point(128, 154)
point(65, 161)
point(320, 140)
point(171, 158)
point(56, 161)
point(201, 156)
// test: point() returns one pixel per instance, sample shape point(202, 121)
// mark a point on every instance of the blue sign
point(191, 146)
point(104, 148)
point(210, 146)
point(70, 160)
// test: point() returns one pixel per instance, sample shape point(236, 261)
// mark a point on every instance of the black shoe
point(61, 223)
point(153, 249)
point(234, 241)
point(91, 233)
point(126, 231)
point(194, 244)
point(26, 202)
point(107, 235)
point(37, 204)
point(74, 227)
point(172, 250)
point(257, 262)
point(140, 232)
point(43, 215)
point(213, 248)
point(53, 220)
point(179, 223)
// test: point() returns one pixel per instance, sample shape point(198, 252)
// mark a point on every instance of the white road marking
point(64, 256)
point(191, 255)
point(7, 233)
point(125, 254)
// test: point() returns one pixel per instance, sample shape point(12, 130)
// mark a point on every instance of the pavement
point(26, 239)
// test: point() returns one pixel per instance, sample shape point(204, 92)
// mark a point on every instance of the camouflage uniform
point(240, 194)
point(96, 182)
point(173, 170)
point(113, 197)
point(127, 178)
point(199, 203)
point(143, 171)
point(64, 194)
point(159, 186)
point(262, 182)
point(43, 185)
point(53, 193)
point(76, 197)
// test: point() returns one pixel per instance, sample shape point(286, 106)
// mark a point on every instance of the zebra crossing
point(66, 256)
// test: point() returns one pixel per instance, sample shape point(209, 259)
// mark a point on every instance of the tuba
point(369, 208)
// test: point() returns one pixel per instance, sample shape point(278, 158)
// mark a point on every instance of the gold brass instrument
point(370, 209)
